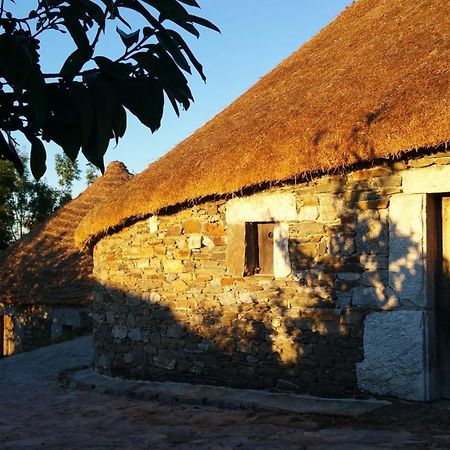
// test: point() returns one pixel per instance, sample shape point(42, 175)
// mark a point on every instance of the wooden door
point(2, 337)
point(443, 301)
point(8, 335)
point(265, 245)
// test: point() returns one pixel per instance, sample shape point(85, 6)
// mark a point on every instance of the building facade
point(298, 240)
point(46, 282)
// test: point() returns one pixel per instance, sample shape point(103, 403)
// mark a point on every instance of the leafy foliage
point(91, 174)
point(84, 105)
point(24, 203)
point(68, 172)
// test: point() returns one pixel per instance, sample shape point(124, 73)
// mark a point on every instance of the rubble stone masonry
point(167, 307)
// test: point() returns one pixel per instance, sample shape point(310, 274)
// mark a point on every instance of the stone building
point(45, 281)
point(299, 240)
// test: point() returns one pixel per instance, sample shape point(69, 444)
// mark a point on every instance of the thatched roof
point(375, 83)
point(45, 267)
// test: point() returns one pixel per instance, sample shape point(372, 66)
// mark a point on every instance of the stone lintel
point(433, 179)
point(276, 207)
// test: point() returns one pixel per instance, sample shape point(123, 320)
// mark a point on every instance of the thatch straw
point(373, 84)
point(45, 267)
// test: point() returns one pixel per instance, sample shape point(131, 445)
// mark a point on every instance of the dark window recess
point(2, 336)
point(259, 248)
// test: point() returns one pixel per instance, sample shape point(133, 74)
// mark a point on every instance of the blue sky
point(252, 42)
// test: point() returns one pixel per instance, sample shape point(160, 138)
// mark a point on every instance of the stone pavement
point(36, 411)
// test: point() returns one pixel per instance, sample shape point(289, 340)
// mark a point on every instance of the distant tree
point(42, 203)
point(91, 173)
point(68, 172)
point(24, 203)
point(83, 105)
point(8, 179)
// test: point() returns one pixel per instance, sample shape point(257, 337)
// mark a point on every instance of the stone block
point(309, 200)
point(369, 297)
point(227, 281)
point(119, 332)
point(341, 244)
point(208, 242)
point(349, 276)
point(218, 240)
point(433, 179)
point(142, 263)
point(182, 254)
point(213, 229)
point(195, 241)
point(192, 226)
point(272, 207)
point(395, 362)
point(306, 228)
point(173, 266)
point(135, 334)
point(236, 249)
point(407, 271)
point(331, 208)
point(380, 171)
point(343, 301)
point(173, 231)
point(379, 203)
point(160, 250)
point(180, 286)
point(308, 213)
point(152, 223)
point(306, 251)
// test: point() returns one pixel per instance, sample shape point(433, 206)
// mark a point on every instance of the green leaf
point(136, 6)
point(38, 158)
point(75, 62)
point(144, 98)
point(177, 37)
point(105, 101)
point(168, 74)
point(183, 24)
point(190, 3)
point(128, 39)
point(204, 22)
point(119, 122)
point(171, 8)
point(15, 60)
point(112, 67)
point(37, 98)
point(171, 46)
point(93, 10)
point(75, 28)
point(80, 97)
point(66, 136)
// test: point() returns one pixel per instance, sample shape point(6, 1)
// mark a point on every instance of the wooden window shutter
point(236, 249)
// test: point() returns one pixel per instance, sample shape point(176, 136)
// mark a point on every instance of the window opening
point(259, 248)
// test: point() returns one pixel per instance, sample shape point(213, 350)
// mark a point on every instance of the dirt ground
point(38, 411)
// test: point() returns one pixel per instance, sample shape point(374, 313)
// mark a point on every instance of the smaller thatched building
point(45, 281)
point(300, 239)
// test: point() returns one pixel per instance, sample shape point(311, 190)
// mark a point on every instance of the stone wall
point(168, 307)
point(33, 326)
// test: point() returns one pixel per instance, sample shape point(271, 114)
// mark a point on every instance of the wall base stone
point(394, 358)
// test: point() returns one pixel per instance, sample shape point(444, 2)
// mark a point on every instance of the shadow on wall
point(303, 333)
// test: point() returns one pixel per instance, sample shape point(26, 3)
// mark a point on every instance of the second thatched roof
point(375, 83)
point(45, 267)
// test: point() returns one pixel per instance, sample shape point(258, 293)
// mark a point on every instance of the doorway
point(443, 297)
point(6, 336)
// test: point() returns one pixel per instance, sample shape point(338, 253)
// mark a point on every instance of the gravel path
point(37, 412)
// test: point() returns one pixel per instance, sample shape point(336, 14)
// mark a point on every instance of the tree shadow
point(302, 333)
